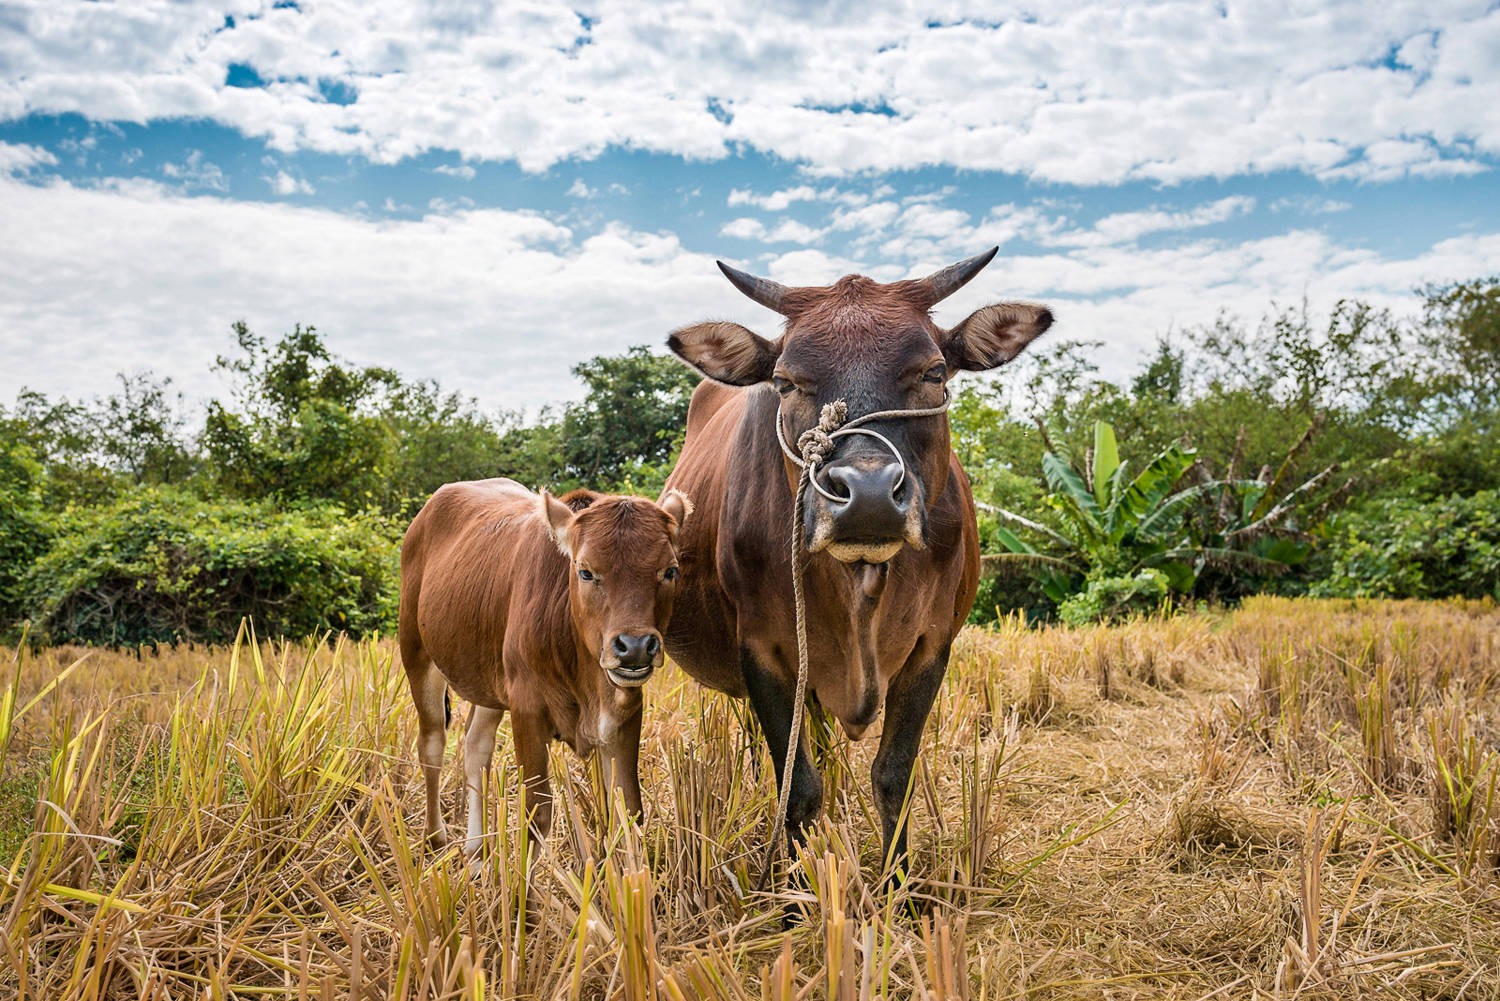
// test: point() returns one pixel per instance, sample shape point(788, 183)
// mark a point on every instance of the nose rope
point(814, 446)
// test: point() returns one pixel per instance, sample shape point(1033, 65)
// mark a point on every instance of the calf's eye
point(670, 574)
point(936, 374)
point(783, 386)
point(586, 575)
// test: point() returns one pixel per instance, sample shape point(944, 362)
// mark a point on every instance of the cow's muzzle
point(631, 658)
point(863, 510)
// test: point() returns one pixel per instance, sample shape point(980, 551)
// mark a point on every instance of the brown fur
point(492, 605)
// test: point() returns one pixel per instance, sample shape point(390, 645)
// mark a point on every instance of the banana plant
point(1114, 524)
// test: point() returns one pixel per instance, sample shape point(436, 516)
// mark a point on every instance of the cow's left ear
point(994, 335)
point(558, 518)
point(676, 504)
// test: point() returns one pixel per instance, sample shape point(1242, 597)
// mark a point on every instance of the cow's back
point(477, 567)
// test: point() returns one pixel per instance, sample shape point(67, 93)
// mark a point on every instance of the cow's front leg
point(771, 698)
point(908, 700)
point(621, 760)
point(531, 731)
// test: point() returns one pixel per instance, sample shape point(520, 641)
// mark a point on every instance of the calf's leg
point(531, 731)
point(621, 760)
point(771, 698)
point(479, 748)
point(429, 691)
point(907, 703)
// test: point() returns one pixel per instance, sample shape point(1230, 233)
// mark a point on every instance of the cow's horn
point(764, 291)
point(941, 284)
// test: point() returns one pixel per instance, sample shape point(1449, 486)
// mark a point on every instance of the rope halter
point(814, 446)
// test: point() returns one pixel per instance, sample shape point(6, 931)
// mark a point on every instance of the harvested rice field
point(1294, 799)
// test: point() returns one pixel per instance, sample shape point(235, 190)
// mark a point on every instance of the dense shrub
point(1106, 598)
point(160, 564)
point(1403, 548)
point(23, 530)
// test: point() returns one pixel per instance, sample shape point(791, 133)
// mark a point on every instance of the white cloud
point(462, 171)
point(1127, 227)
point(744, 228)
point(792, 231)
point(777, 201)
point(1309, 205)
point(196, 171)
point(581, 190)
point(1092, 93)
point(18, 158)
point(285, 184)
point(499, 303)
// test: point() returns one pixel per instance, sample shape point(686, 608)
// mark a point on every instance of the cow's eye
point(586, 575)
point(782, 384)
point(670, 574)
point(936, 374)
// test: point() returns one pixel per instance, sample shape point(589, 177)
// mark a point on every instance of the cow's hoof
point(437, 840)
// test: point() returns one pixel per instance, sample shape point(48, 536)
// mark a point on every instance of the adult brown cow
point(551, 608)
point(889, 526)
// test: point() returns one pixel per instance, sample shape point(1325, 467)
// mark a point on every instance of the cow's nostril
point(622, 648)
point(653, 646)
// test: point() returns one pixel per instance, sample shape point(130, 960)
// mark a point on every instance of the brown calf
point(553, 609)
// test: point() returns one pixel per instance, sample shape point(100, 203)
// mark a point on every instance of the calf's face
point(624, 576)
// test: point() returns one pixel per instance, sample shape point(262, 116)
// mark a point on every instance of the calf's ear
point(725, 352)
point(676, 504)
point(994, 335)
point(558, 518)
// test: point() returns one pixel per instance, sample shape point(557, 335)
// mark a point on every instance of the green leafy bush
point(23, 531)
point(1403, 548)
point(161, 564)
point(1107, 599)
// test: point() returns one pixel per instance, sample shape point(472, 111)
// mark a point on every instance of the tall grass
point(1293, 800)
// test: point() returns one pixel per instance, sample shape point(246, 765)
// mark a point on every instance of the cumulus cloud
point(1084, 94)
point(197, 171)
point(498, 303)
point(18, 158)
point(744, 228)
point(287, 184)
point(462, 171)
point(1126, 227)
point(581, 190)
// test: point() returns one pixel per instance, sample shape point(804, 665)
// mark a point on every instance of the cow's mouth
point(630, 677)
point(862, 551)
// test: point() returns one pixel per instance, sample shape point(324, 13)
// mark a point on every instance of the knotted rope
point(814, 446)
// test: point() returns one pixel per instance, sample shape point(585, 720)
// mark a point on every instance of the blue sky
point(485, 195)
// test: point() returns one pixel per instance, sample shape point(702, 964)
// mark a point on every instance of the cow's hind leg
point(907, 704)
point(771, 698)
point(479, 748)
point(429, 690)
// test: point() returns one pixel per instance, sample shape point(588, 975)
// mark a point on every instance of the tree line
point(1353, 453)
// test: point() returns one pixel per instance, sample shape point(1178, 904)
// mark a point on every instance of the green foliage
point(633, 416)
point(1108, 599)
point(160, 564)
point(24, 533)
point(1110, 527)
point(1397, 547)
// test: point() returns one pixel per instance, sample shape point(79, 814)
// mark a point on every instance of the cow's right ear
point(558, 518)
point(726, 352)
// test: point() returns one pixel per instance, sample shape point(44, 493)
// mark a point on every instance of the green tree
point(633, 415)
